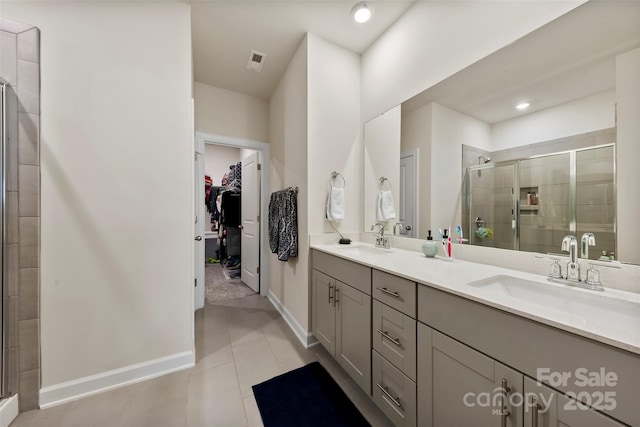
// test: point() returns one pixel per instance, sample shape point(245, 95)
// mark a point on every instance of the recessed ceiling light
point(361, 12)
point(523, 106)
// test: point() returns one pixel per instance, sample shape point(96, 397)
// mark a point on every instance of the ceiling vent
point(256, 60)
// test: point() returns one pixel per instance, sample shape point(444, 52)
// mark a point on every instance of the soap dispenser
point(429, 247)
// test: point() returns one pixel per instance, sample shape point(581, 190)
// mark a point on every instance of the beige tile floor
point(239, 343)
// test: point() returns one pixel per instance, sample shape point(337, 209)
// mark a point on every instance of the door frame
point(264, 149)
point(414, 153)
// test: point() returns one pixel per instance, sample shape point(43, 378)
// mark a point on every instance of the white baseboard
point(9, 410)
point(87, 386)
point(306, 338)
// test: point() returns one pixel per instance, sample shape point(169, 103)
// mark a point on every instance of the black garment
point(230, 209)
point(283, 224)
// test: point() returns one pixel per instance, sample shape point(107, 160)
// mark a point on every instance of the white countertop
point(454, 275)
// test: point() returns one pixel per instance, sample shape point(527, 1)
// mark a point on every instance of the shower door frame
point(3, 231)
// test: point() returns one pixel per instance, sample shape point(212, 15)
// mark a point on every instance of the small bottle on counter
point(429, 247)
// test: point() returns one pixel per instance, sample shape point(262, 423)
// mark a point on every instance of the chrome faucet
point(395, 233)
point(382, 241)
point(588, 239)
point(570, 244)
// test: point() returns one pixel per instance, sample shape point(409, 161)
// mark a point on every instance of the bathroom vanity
point(455, 343)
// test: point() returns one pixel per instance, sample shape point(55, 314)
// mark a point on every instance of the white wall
point(116, 184)
point(584, 115)
point(334, 131)
point(223, 112)
point(628, 155)
point(217, 159)
point(381, 159)
point(289, 281)
point(450, 130)
point(433, 40)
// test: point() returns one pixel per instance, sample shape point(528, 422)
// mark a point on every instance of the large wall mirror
point(559, 154)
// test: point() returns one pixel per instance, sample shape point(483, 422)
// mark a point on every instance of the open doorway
point(231, 185)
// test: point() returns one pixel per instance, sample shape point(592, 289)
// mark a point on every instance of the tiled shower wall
point(20, 70)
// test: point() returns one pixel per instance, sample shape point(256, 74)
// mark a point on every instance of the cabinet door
point(547, 408)
point(353, 334)
point(324, 319)
point(458, 386)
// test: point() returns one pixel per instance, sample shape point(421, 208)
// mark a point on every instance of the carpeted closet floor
point(219, 287)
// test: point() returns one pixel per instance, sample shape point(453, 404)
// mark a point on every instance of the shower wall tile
point(554, 194)
point(28, 331)
point(595, 214)
point(29, 231)
point(29, 389)
point(23, 206)
point(28, 204)
point(29, 256)
point(29, 278)
point(12, 217)
point(8, 57)
point(536, 235)
point(595, 193)
point(28, 306)
point(13, 275)
point(11, 303)
point(28, 179)
point(29, 45)
point(28, 130)
point(12, 140)
point(28, 87)
point(12, 370)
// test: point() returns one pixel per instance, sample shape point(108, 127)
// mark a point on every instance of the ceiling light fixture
point(523, 106)
point(361, 12)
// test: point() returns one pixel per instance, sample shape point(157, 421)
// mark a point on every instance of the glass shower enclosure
point(3, 230)
point(531, 204)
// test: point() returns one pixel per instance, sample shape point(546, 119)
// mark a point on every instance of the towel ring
point(334, 176)
point(381, 182)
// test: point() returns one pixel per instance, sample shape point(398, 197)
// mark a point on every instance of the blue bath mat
point(308, 397)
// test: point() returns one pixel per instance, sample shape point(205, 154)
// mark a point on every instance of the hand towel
point(386, 210)
point(335, 204)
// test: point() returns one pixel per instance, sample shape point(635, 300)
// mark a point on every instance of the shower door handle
point(197, 238)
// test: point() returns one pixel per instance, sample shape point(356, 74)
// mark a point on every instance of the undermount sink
point(584, 304)
point(364, 250)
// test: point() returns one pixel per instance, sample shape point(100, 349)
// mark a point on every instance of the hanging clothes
point(283, 224)
point(230, 208)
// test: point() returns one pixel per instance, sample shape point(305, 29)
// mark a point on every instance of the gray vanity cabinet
point(324, 311)
point(545, 407)
point(341, 314)
point(459, 386)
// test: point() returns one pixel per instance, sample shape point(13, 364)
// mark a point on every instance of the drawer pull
point(335, 296)
point(504, 412)
point(330, 296)
point(535, 408)
point(396, 341)
point(387, 291)
point(385, 390)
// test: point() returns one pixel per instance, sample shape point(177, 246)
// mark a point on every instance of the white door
point(408, 209)
point(250, 258)
point(199, 224)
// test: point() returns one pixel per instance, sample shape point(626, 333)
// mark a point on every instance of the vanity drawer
point(395, 291)
point(393, 392)
point(355, 275)
point(394, 337)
